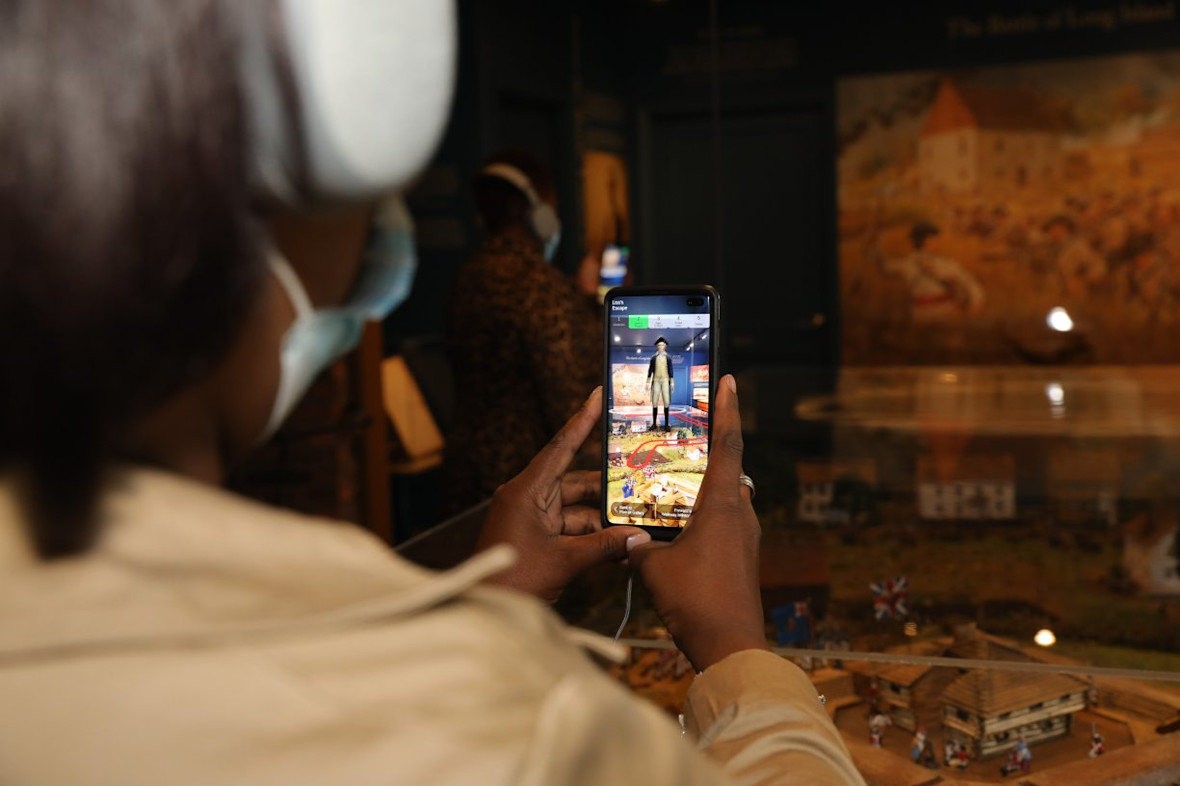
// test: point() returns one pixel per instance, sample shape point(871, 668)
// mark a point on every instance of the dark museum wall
point(725, 116)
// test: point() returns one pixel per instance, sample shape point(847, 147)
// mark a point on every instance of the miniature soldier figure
point(1023, 755)
point(872, 696)
point(961, 757)
point(918, 744)
point(1097, 743)
point(921, 751)
point(1019, 758)
point(877, 726)
point(948, 752)
point(659, 376)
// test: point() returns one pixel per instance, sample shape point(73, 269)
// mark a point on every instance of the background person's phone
point(613, 269)
point(656, 413)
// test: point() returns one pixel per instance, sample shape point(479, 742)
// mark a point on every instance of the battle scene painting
point(1026, 213)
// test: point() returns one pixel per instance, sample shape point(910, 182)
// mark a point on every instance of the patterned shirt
point(526, 346)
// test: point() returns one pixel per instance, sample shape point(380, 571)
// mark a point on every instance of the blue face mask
point(318, 338)
point(552, 242)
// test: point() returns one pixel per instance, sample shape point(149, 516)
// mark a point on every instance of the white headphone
point(372, 81)
point(542, 217)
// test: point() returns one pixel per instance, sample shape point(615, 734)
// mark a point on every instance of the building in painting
point(981, 138)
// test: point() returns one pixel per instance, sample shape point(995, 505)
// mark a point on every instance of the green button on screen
point(637, 321)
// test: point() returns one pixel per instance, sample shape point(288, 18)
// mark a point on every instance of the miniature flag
point(792, 623)
point(890, 598)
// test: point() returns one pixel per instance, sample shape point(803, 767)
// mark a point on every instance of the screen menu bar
point(660, 321)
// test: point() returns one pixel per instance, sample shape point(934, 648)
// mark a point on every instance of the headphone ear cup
point(364, 72)
point(544, 220)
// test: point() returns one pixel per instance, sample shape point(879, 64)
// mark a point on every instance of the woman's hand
point(705, 583)
point(542, 513)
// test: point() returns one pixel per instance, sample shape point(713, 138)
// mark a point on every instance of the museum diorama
point(972, 524)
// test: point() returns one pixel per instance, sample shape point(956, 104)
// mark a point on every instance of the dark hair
point(921, 232)
point(129, 253)
point(502, 205)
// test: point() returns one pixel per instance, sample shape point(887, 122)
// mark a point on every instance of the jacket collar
point(180, 562)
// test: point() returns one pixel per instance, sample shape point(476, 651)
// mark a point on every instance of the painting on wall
point(1020, 213)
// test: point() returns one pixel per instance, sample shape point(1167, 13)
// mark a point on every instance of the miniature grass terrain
point(1010, 585)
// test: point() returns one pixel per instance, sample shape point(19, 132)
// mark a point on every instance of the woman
point(524, 341)
point(156, 629)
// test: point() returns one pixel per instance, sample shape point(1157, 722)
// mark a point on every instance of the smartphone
point(660, 364)
point(613, 268)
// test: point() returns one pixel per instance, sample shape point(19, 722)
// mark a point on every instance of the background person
point(525, 342)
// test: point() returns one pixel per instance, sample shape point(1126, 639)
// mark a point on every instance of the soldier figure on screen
point(659, 376)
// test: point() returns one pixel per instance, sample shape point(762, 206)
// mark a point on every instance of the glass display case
point(945, 258)
point(977, 566)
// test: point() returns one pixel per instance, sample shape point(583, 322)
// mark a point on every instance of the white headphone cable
point(627, 607)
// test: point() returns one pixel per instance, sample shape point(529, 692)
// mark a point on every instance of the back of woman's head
point(128, 251)
point(501, 204)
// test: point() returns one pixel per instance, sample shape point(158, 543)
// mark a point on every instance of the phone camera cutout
point(696, 301)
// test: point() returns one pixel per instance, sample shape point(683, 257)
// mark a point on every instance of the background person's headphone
point(351, 101)
point(542, 218)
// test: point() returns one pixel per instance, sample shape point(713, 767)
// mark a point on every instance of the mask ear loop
point(301, 304)
point(289, 280)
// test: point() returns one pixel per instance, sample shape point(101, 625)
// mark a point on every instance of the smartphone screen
point(660, 358)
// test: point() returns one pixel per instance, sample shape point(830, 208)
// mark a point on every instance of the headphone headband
point(541, 215)
point(515, 177)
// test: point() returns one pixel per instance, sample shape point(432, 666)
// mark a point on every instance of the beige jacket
point(212, 640)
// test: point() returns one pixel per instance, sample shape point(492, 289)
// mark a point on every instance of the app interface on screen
point(658, 403)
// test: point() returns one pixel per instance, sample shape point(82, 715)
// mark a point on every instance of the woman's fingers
point(554, 459)
point(580, 520)
point(725, 447)
point(581, 486)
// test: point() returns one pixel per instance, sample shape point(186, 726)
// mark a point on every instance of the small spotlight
point(1060, 320)
point(1055, 393)
point(618, 339)
point(1045, 637)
